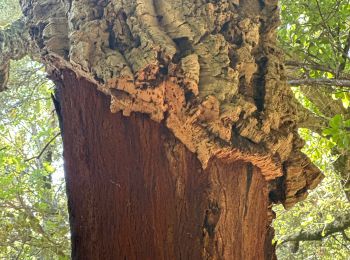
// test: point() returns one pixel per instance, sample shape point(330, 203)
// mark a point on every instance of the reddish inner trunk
point(134, 192)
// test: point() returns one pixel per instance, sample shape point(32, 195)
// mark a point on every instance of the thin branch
point(44, 149)
point(310, 120)
point(340, 224)
point(321, 98)
point(340, 242)
point(308, 65)
point(345, 236)
point(35, 224)
point(328, 30)
point(320, 82)
point(344, 55)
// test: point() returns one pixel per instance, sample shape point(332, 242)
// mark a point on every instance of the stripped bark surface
point(207, 73)
point(136, 192)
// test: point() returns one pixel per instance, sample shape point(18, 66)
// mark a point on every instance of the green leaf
point(336, 121)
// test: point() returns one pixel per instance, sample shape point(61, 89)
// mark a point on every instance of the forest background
point(315, 36)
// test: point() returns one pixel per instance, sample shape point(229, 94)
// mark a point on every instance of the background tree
point(34, 219)
point(316, 38)
point(33, 212)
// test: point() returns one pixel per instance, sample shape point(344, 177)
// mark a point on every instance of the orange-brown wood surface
point(134, 192)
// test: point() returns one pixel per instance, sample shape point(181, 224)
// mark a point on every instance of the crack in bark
point(212, 216)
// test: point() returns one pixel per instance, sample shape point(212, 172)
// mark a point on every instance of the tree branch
point(44, 149)
point(344, 55)
point(308, 119)
point(320, 82)
point(340, 224)
point(321, 98)
point(345, 236)
point(14, 44)
point(308, 65)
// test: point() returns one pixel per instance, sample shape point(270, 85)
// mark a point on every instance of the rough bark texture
point(208, 73)
point(135, 192)
point(14, 44)
point(210, 70)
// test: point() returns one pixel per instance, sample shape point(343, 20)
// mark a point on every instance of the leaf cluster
point(34, 219)
point(315, 36)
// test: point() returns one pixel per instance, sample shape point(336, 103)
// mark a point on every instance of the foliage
point(315, 36)
point(321, 208)
point(9, 11)
point(338, 131)
point(32, 199)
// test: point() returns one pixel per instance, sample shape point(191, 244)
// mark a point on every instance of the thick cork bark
point(211, 71)
point(212, 129)
point(135, 192)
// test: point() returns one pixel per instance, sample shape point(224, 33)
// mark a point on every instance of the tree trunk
point(135, 192)
point(211, 135)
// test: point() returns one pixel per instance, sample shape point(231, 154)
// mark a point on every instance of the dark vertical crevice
point(184, 48)
point(248, 185)
point(249, 176)
point(123, 40)
point(211, 219)
point(259, 84)
point(56, 97)
point(277, 188)
point(112, 41)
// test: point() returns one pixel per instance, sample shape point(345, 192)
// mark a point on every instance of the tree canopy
point(34, 219)
point(315, 37)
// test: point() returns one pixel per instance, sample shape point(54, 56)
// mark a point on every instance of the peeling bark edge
point(130, 48)
point(194, 135)
point(124, 203)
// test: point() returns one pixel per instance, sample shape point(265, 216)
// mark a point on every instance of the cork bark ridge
point(210, 71)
